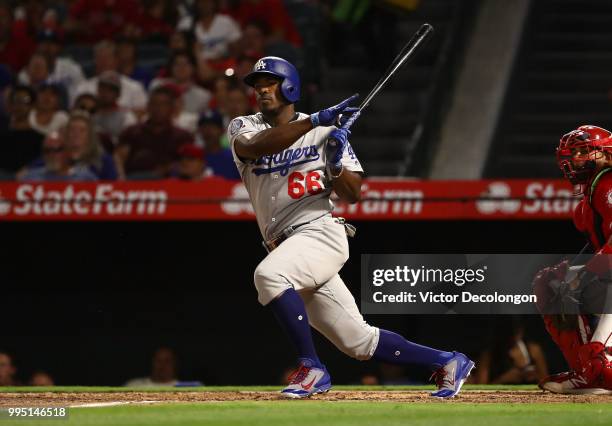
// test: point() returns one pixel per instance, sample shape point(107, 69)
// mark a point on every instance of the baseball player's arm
point(276, 139)
point(348, 186)
point(601, 263)
point(272, 140)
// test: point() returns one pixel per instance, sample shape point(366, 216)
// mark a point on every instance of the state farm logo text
point(35, 199)
point(541, 198)
point(392, 201)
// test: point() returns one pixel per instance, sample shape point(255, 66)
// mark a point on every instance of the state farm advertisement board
point(219, 199)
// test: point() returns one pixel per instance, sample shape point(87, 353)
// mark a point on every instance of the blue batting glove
point(335, 146)
point(337, 141)
point(328, 116)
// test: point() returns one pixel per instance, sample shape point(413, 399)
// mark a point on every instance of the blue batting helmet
point(278, 67)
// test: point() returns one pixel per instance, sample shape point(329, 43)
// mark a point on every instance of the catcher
point(585, 158)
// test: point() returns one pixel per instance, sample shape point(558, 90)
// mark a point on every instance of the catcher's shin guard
point(569, 334)
point(594, 364)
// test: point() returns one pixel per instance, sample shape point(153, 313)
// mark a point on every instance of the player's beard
point(271, 113)
point(270, 110)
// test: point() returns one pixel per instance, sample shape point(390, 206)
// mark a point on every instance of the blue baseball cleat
point(452, 375)
point(307, 380)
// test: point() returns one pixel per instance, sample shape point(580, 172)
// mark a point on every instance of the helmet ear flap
point(289, 91)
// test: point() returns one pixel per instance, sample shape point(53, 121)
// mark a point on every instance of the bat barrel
point(406, 53)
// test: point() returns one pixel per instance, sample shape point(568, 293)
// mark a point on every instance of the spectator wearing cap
point(182, 67)
point(46, 116)
point(57, 165)
point(111, 119)
point(132, 96)
point(216, 34)
point(19, 143)
point(192, 164)
point(150, 149)
point(63, 70)
point(218, 157)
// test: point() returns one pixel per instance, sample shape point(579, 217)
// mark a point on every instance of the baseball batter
point(585, 157)
point(290, 162)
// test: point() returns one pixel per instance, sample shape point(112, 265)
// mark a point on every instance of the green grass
point(337, 413)
point(323, 413)
point(244, 388)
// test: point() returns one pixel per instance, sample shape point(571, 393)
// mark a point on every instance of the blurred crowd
point(163, 371)
point(133, 89)
point(508, 355)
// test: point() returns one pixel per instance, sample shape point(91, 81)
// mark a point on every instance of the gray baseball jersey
point(290, 187)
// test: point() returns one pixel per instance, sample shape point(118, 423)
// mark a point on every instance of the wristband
point(332, 174)
point(314, 119)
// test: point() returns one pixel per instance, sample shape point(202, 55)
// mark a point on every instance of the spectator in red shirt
point(150, 149)
point(16, 42)
point(273, 14)
point(157, 20)
point(95, 20)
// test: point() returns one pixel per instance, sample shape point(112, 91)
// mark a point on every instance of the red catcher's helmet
point(578, 151)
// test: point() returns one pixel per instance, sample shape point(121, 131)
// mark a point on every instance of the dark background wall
point(89, 302)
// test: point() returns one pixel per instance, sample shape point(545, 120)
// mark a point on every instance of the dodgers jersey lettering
point(290, 187)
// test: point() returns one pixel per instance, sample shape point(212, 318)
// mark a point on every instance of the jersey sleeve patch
point(235, 126)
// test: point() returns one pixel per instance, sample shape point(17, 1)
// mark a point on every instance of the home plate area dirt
point(65, 399)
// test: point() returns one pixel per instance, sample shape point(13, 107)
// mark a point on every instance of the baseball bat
point(407, 52)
